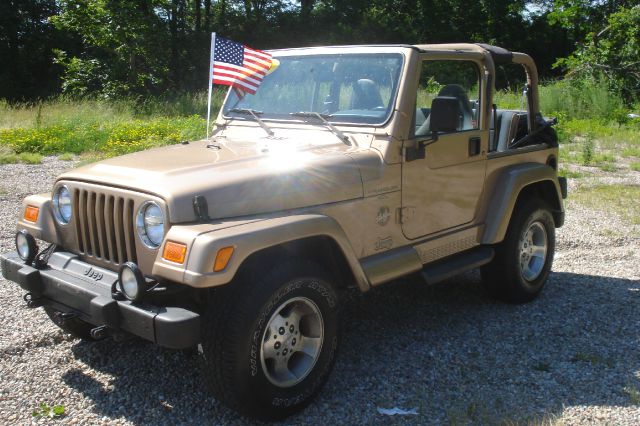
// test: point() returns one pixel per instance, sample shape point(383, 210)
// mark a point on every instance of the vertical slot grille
point(105, 226)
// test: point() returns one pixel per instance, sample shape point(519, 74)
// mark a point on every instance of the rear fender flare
point(510, 185)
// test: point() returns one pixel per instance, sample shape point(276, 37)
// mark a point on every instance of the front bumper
point(70, 285)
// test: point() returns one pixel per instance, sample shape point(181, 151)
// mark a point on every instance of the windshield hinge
point(406, 214)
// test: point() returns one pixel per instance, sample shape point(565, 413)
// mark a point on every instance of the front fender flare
point(204, 242)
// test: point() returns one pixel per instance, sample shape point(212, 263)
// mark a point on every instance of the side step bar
point(457, 264)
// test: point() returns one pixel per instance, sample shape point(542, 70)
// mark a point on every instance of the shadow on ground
point(448, 350)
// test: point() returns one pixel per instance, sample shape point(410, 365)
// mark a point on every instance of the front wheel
point(269, 344)
point(523, 260)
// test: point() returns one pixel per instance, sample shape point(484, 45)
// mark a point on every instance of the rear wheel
point(523, 260)
point(269, 340)
point(74, 326)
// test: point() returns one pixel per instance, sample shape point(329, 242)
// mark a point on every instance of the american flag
point(239, 66)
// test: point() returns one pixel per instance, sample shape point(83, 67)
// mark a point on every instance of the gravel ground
point(570, 357)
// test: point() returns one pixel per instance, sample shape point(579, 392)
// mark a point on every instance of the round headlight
point(131, 282)
point(150, 224)
point(62, 205)
point(26, 246)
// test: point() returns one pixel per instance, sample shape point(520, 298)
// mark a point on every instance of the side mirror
point(445, 114)
point(445, 117)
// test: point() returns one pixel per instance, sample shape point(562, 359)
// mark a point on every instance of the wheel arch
point(322, 249)
point(315, 237)
point(518, 183)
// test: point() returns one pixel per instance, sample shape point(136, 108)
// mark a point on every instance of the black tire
point(506, 278)
point(74, 326)
point(233, 335)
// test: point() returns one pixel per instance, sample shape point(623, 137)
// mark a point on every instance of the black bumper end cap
point(177, 328)
point(29, 279)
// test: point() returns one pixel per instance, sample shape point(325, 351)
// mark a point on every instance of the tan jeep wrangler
point(350, 166)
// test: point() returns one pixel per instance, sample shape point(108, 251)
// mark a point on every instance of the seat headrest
point(366, 95)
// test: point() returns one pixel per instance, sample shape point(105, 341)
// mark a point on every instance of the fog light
point(131, 282)
point(26, 246)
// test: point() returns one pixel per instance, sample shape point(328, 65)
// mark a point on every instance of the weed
point(25, 157)
point(66, 156)
point(571, 174)
point(542, 366)
point(90, 157)
point(593, 359)
point(633, 393)
point(44, 410)
point(635, 166)
point(608, 167)
point(8, 159)
point(587, 151)
point(29, 158)
point(632, 151)
point(610, 233)
point(547, 419)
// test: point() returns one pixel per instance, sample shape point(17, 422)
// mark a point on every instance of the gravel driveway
point(570, 357)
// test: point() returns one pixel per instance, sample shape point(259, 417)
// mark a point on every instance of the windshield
point(352, 88)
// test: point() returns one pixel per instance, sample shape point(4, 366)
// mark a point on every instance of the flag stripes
point(239, 66)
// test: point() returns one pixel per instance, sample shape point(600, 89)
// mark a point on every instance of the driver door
point(441, 191)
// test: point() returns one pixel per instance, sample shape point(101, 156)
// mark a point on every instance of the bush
point(574, 99)
point(611, 54)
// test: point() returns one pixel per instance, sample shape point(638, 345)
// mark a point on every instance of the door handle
point(474, 146)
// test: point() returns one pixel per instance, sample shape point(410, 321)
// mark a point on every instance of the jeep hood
point(236, 177)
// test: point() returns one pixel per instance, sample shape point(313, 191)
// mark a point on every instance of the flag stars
point(228, 51)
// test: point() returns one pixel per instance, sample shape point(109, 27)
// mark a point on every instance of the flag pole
point(213, 46)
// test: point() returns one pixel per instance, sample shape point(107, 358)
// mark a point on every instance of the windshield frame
point(225, 108)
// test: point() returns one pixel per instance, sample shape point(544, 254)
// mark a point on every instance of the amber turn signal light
point(174, 252)
point(31, 214)
point(222, 258)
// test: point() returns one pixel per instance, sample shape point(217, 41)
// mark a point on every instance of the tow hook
point(99, 332)
point(32, 302)
point(62, 317)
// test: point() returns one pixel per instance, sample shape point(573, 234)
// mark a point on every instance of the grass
point(622, 199)
point(635, 166)
point(69, 127)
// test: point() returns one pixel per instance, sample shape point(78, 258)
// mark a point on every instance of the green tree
point(612, 54)
point(124, 47)
point(26, 42)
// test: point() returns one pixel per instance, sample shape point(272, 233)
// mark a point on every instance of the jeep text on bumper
point(83, 290)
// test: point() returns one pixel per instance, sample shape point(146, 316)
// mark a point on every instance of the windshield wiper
point(254, 114)
point(323, 117)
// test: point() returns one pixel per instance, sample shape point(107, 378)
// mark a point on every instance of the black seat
point(466, 114)
point(366, 95)
point(511, 125)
